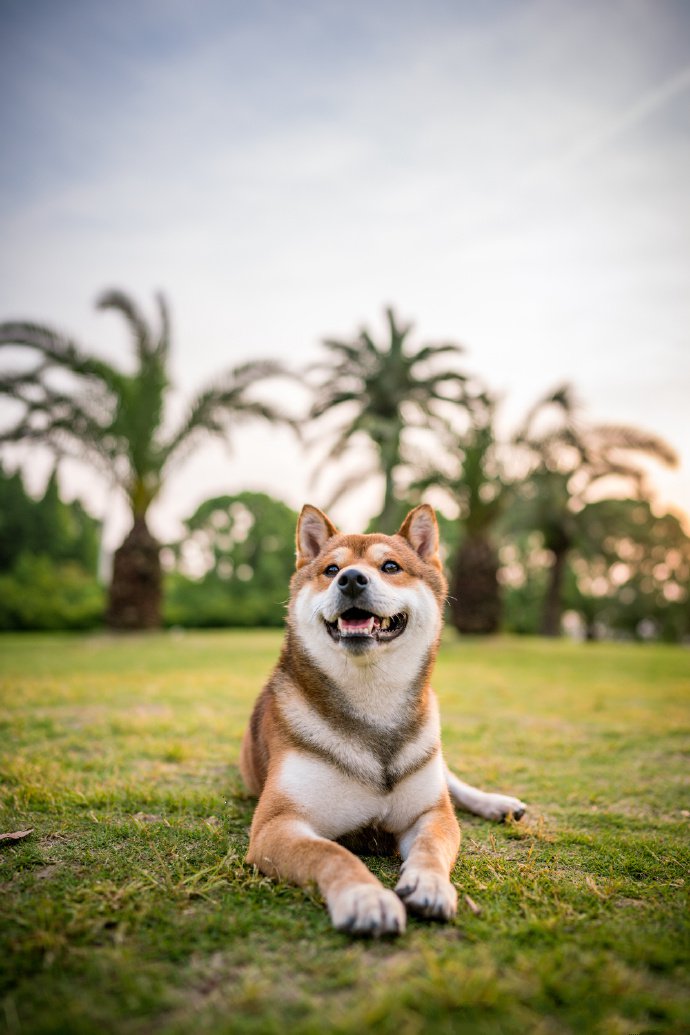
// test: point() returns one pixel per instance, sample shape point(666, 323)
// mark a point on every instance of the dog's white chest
point(335, 804)
point(350, 752)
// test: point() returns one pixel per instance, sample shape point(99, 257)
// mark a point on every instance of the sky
point(511, 175)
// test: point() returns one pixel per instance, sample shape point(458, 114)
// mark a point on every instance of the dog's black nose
point(352, 582)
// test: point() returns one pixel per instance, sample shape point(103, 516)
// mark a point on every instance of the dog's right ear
point(314, 530)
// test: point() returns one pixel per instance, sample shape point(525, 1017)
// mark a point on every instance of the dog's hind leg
point(483, 803)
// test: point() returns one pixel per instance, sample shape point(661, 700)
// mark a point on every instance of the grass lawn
point(129, 908)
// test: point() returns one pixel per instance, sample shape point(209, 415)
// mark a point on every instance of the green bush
point(213, 602)
point(247, 546)
point(39, 593)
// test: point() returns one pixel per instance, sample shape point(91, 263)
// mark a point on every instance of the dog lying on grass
point(345, 738)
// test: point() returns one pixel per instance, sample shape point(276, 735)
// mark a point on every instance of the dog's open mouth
point(359, 624)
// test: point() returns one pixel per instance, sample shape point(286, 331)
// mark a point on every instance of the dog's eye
point(331, 571)
point(390, 567)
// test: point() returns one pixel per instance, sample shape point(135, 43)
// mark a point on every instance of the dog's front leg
point(287, 847)
point(429, 849)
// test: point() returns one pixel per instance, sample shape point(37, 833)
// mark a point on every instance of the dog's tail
point(482, 803)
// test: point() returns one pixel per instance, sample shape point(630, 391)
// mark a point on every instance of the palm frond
point(214, 408)
point(428, 352)
point(621, 436)
point(337, 450)
point(114, 299)
point(62, 446)
point(562, 398)
point(247, 408)
point(349, 350)
point(353, 481)
point(60, 351)
point(368, 346)
point(13, 384)
point(398, 333)
point(246, 374)
point(331, 401)
point(609, 469)
point(433, 388)
point(74, 426)
point(163, 346)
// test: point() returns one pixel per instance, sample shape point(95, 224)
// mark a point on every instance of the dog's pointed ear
point(314, 530)
point(421, 531)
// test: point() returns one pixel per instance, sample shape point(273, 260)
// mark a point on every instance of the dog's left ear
point(314, 530)
point(421, 531)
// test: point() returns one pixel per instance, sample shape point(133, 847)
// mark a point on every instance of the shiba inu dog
point(345, 738)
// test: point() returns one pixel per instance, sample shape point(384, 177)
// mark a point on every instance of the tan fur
point(344, 738)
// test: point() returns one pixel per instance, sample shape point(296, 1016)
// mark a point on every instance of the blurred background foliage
point(243, 550)
point(48, 560)
point(545, 529)
point(628, 573)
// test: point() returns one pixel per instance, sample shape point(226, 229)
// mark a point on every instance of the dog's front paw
point(367, 909)
point(427, 894)
point(499, 806)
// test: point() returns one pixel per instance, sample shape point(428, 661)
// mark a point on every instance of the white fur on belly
point(335, 804)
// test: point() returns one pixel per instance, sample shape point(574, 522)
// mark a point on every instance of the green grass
point(130, 908)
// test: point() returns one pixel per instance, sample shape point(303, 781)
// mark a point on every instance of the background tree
point(47, 525)
point(384, 392)
point(476, 483)
point(48, 560)
point(630, 572)
point(567, 464)
point(243, 549)
point(538, 481)
point(83, 406)
point(482, 478)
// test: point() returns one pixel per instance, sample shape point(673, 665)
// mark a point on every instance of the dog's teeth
point(355, 627)
point(385, 622)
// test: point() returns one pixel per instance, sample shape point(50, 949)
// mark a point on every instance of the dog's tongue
point(356, 626)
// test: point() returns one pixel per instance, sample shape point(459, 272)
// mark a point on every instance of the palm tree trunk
point(136, 584)
point(393, 510)
point(475, 591)
point(386, 520)
point(553, 604)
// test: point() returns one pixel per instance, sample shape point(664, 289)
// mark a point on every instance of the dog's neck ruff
point(361, 690)
point(322, 720)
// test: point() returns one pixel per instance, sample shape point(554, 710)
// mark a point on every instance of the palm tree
point(83, 406)
point(482, 480)
point(539, 478)
point(567, 465)
point(385, 390)
point(479, 486)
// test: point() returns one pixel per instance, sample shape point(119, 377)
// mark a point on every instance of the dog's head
point(365, 596)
